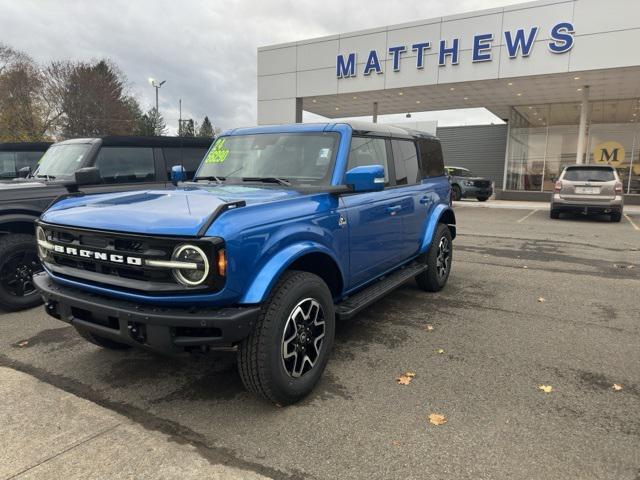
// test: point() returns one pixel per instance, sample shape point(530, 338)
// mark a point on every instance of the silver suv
point(588, 189)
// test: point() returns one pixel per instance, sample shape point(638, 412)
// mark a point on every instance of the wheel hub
point(302, 338)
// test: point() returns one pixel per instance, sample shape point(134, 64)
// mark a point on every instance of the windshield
point(302, 158)
point(62, 160)
point(594, 174)
point(459, 172)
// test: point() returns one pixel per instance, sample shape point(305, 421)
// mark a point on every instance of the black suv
point(108, 164)
point(22, 156)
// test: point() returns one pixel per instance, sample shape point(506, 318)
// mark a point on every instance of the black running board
point(350, 306)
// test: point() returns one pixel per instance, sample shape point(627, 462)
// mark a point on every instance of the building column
point(375, 112)
point(584, 125)
point(298, 110)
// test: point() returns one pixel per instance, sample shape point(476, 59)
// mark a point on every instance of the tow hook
point(138, 331)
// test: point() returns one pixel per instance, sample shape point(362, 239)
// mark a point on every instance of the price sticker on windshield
point(218, 153)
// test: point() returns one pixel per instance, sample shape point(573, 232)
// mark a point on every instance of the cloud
point(205, 50)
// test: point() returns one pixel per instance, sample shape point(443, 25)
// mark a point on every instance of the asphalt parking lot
point(530, 302)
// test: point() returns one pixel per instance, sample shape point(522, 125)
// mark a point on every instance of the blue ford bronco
point(283, 231)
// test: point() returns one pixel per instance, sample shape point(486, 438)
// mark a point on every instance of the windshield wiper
point(278, 180)
point(47, 177)
point(211, 177)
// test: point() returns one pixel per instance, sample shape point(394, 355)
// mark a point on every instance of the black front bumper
point(586, 209)
point(162, 329)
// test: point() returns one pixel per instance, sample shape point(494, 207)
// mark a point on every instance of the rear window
point(431, 162)
point(589, 175)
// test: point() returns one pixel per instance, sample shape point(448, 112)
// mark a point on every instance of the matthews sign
point(518, 43)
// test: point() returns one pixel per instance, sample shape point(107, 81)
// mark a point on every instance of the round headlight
point(41, 239)
point(196, 268)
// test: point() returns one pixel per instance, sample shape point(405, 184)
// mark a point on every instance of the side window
point(28, 159)
point(7, 165)
point(405, 159)
point(126, 164)
point(431, 162)
point(189, 158)
point(369, 151)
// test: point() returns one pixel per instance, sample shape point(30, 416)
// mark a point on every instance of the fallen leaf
point(437, 419)
point(541, 300)
point(405, 378)
point(525, 267)
point(440, 350)
point(429, 328)
point(546, 388)
point(631, 267)
point(617, 387)
point(23, 344)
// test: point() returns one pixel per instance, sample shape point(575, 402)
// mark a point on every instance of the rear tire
point(18, 262)
point(102, 341)
point(555, 214)
point(616, 216)
point(456, 193)
point(287, 351)
point(438, 258)
point(483, 199)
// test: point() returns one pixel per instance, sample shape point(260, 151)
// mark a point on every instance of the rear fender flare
point(271, 271)
point(439, 215)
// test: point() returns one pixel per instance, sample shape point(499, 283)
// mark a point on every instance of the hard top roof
point(24, 146)
point(132, 141)
point(358, 127)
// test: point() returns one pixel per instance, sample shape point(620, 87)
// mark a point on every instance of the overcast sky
point(205, 50)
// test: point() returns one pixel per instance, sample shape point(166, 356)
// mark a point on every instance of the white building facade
point(564, 75)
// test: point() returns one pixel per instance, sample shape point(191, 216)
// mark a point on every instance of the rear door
point(413, 195)
point(374, 219)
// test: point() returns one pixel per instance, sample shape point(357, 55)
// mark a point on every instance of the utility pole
point(157, 87)
point(180, 117)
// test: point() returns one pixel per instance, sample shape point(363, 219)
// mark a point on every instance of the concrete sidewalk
point(512, 204)
point(49, 433)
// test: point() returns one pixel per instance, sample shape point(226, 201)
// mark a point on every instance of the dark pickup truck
point(122, 163)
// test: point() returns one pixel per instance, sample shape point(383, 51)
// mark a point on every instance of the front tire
point(438, 258)
point(287, 351)
point(18, 262)
point(482, 199)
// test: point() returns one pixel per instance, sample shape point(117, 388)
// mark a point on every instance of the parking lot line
point(527, 216)
point(631, 222)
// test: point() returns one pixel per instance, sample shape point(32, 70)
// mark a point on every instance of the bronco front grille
point(119, 260)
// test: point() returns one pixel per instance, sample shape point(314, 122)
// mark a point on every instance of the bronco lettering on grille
point(95, 255)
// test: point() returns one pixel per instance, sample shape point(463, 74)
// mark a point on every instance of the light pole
point(157, 87)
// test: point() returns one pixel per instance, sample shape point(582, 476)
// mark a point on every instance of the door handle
point(395, 209)
point(424, 200)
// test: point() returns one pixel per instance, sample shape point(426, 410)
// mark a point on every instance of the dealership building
point(564, 75)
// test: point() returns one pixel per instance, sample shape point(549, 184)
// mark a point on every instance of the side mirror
point(24, 172)
point(178, 174)
point(87, 176)
point(368, 178)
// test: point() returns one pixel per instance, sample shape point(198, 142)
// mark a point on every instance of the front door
point(374, 219)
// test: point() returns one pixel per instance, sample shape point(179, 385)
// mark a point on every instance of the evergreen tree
point(206, 129)
point(151, 124)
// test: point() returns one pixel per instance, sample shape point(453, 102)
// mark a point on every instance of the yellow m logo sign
point(610, 153)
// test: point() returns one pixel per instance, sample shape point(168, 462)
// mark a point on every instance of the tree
point(94, 102)
point(187, 128)
point(151, 124)
point(23, 112)
point(206, 129)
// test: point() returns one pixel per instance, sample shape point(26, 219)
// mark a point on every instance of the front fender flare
point(432, 223)
point(271, 271)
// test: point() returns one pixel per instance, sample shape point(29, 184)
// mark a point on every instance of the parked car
point(123, 163)
point(284, 230)
point(465, 185)
point(18, 156)
point(588, 189)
